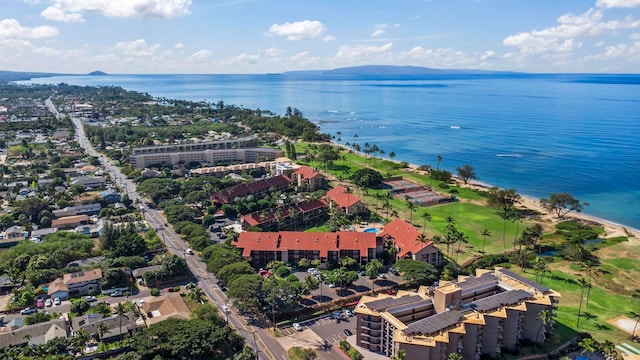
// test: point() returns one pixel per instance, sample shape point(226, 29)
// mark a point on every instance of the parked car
point(347, 332)
point(28, 311)
point(337, 314)
point(313, 271)
point(48, 303)
point(347, 312)
point(40, 304)
point(189, 251)
point(90, 298)
point(297, 326)
point(363, 273)
point(57, 301)
point(117, 293)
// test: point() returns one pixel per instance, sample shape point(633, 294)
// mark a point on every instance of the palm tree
point(439, 160)
point(541, 268)
point(460, 237)
point(516, 217)
point(102, 329)
point(589, 267)
point(588, 346)
point(609, 349)
point(80, 339)
point(399, 355)
point(322, 277)
point(583, 283)
point(455, 355)
point(348, 191)
point(121, 310)
point(545, 316)
point(504, 215)
point(372, 269)
point(411, 206)
point(197, 294)
point(484, 233)
point(422, 238)
point(427, 217)
point(636, 316)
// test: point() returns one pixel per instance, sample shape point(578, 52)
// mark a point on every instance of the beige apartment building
point(476, 315)
point(224, 152)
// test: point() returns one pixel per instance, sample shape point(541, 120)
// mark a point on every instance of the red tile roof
point(263, 216)
point(314, 241)
point(306, 172)
point(404, 235)
point(340, 197)
point(245, 189)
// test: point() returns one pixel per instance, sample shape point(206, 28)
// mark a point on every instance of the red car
point(40, 304)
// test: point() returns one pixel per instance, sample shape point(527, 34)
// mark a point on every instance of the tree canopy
point(562, 204)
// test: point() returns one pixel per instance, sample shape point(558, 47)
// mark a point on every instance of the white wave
point(509, 155)
point(454, 127)
point(382, 127)
point(352, 112)
point(333, 111)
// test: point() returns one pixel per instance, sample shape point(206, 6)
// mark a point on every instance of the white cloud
point(634, 36)
point(11, 29)
point(178, 46)
point(57, 14)
point(136, 48)
point(361, 51)
point(562, 38)
point(47, 51)
point(32, 2)
point(487, 54)
point(618, 3)
point(72, 10)
point(440, 58)
point(328, 38)
point(300, 30)
point(272, 52)
point(377, 32)
point(200, 56)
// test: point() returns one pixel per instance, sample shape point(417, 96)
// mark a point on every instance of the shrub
point(79, 307)
point(282, 271)
point(155, 292)
point(176, 288)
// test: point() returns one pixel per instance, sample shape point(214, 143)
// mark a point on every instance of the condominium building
point(290, 246)
point(222, 152)
point(474, 316)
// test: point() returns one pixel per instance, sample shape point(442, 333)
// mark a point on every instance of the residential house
point(35, 334)
point(256, 188)
point(84, 209)
point(116, 325)
point(308, 179)
point(287, 217)
point(75, 284)
point(475, 316)
point(69, 222)
point(12, 235)
point(89, 182)
point(405, 238)
point(290, 246)
point(109, 196)
point(161, 308)
point(345, 200)
point(39, 234)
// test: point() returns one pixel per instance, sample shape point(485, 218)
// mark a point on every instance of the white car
point(57, 301)
point(297, 326)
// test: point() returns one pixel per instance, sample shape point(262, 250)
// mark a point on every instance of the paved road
point(268, 347)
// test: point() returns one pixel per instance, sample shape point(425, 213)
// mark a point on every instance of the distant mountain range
point(391, 70)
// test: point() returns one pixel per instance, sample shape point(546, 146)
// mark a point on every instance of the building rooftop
point(340, 196)
point(405, 237)
point(435, 323)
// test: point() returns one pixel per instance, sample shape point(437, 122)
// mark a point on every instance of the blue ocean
point(539, 134)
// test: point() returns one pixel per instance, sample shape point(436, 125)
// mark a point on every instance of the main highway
point(260, 339)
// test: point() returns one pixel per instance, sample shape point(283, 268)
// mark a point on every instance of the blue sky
point(265, 36)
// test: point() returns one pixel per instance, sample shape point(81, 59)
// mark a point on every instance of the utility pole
point(256, 344)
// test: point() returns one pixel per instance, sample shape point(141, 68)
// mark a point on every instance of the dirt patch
point(625, 324)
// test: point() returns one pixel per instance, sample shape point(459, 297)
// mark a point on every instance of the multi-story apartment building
point(288, 216)
point(222, 152)
point(289, 246)
point(474, 316)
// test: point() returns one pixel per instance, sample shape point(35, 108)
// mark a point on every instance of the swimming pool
point(371, 230)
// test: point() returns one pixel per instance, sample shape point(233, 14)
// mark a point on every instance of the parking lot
point(326, 327)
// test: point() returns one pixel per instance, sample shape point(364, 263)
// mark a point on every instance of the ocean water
point(539, 134)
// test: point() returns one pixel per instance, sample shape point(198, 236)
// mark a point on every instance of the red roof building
point(290, 246)
point(289, 216)
point(256, 188)
point(306, 178)
point(405, 237)
point(348, 202)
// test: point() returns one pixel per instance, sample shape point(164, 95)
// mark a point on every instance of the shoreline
point(611, 228)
